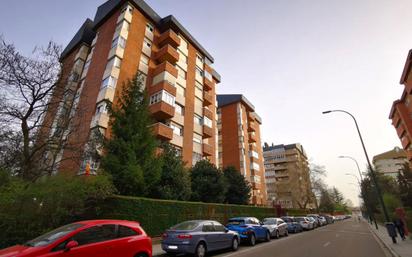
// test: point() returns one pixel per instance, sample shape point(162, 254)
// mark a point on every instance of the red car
point(100, 238)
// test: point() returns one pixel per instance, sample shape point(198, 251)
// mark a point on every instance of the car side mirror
point(226, 230)
point(70, 245)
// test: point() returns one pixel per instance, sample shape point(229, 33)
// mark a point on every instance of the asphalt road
point(348, 238)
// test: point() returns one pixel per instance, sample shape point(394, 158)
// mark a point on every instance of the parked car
point(88, 238)
point(323, 221)
point(250, 229)
point(328, 218)
point(199, 237)
point(305, 223)
point(293, 225)
point(318, 223)
point(313, 221)
point(277, 227)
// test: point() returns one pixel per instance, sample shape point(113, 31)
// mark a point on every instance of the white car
point(305, 222)
point(277, 227)
point(323, 221)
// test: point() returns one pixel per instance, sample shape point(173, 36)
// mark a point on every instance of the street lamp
point(353, 175)
point(357, 165)
point(378, 190)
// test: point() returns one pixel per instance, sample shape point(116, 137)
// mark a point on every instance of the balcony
point(207, 113)
point(207, 98)
point(252, 138)
point(163, 85)
point(207, 84)
point(252, 126)
point(254, 159)
point(162, 131)
point(167, 53)
point(165, 66)
point(100, 120)
point(162, 110)
point(207, 131)
point(207, 150)
point(169, 37)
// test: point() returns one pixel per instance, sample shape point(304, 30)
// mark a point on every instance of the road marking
point(326, 244)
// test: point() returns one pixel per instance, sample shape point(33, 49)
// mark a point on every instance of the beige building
point(391, 162)
point(287, 176)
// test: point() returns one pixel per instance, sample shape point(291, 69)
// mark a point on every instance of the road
point(348, 238)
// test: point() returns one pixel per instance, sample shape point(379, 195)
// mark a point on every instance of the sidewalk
point(401, 249)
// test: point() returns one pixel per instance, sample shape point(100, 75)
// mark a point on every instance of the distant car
point(328, 218)
point(277, 227)
point(323, 221)
point(305, 223)
point(293, 225)
point(198, 237)
point(250, 229)
point(87, 238)
point(318, 222)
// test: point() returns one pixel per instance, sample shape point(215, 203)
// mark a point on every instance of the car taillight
point(184, 236)
point(305, 222)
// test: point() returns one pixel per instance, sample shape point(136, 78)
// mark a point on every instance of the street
point(345, 238)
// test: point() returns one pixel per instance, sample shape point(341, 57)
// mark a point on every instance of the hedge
point(157, 215)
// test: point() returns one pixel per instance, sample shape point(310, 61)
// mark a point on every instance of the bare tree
point(317, 174)
point(37, 105)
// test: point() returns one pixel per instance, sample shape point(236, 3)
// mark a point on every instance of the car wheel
point(235, 244)
point(277, 234)
point(267, 239)
point(200, 250)
point(252, 239)
point(141, 255)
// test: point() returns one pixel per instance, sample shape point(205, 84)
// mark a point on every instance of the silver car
point(199, 237)
point(305, 222)
point(277, 227)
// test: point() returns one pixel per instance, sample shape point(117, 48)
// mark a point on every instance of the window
point(119, 41)
point(180, 109)
point(95, 234)
point(198, 85)
point(177, 129)
point(147, 42)
point(207, 122)
point(125, 231)
point(182, 56)
point(101, 108)
point(120, 26)
point(149, 27)
point(199, 58)
point(208, 227)
point(196, 157)
point(208, 75)
point(109, 82)
point(144, 59)
point(198, 119)
point(54, 235)
point(127, 8)
point(181, 73)
point(87, 64)
point(162, 96)
point(199, 71)
point(116, 62)
point(180, 89)
point(219, 227)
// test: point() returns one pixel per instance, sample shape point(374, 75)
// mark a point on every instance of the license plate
point(173, 247)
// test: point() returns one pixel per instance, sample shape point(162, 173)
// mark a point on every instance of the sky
point(292, 59)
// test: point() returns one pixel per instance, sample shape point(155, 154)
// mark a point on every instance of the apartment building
point(126, 37)
point(239, 142)
point(390, 163)
point(401, 111)
point(287, 176)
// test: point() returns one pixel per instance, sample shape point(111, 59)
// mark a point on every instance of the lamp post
point(378, 190)
point(357, 165)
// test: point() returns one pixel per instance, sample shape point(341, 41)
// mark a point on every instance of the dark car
point(88, 238)
point(293, 225)
point(198, 237)
point(250, 229)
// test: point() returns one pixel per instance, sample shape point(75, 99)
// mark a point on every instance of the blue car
point(250, 229)
point(293, 225)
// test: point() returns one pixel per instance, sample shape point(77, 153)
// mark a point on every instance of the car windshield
point(287, 219)
point(236, 222)
point(269, 221)
point(187, 225)
point(54, 235)
point(300, 219)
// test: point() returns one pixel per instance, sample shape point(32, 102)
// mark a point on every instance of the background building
point(401, 111)
point(287, 176)
point(239, 142)
point(391, 162)
point(126, 36)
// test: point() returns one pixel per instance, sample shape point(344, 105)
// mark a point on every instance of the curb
point(385, 247)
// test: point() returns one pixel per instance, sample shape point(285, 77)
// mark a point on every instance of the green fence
point(157, 215)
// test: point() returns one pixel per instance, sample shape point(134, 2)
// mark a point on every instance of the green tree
point(208, 183)
point(175, 180)
point(337, 196)
point(238, 188)
point(326, 203)
point(130, 152)
point(405, 186)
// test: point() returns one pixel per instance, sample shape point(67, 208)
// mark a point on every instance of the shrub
point(30, 209)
